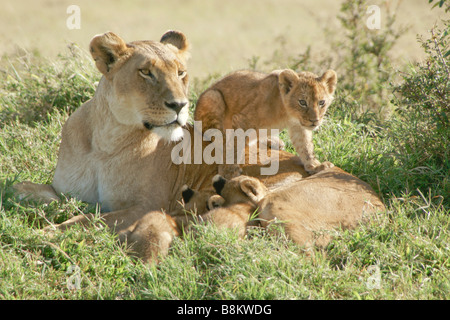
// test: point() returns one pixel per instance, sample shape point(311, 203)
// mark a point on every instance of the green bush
point(423, 102)
point(363, 59)
point(31, 89)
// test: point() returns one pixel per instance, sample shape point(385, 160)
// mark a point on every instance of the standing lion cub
point(279, 100)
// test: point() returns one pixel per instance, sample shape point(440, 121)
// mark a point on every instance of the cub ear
point(254, 189)
point(286, 80)
point(329, 78)
point(187, 193)
point(106, 49)
point(178, 40)
point(218, 183)
point(215, 201)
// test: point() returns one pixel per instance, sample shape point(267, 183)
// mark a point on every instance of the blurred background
point(225, 35)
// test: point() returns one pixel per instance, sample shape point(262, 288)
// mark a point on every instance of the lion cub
point(150, 237)
point(279, 100)
point(208, 207)
point(309, 209)
point(193, 206)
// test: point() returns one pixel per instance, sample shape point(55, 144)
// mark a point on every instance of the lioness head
point(306, 96)
point(146, 82)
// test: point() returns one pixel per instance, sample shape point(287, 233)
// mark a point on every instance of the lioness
point(116, 148)
point(281, 99)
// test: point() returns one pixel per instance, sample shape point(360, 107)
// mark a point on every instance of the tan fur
point(309, 209)
point(150, 237)
point(116, 148)
point(249, 99)
point(107, 154)
point(238, 203)
point(207, 207)
point(191, 209)
point(235, 217)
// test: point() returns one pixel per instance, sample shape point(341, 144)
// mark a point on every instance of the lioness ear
point(329, 78)
point(178, 40)
point(253, 189)
point(106, 49)
point(286, 80)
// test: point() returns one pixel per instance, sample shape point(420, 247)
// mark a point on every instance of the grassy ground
point(409, 245)
point(402, 254)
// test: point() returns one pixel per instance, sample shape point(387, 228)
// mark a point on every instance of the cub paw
point(275, 143)
point(315, 169)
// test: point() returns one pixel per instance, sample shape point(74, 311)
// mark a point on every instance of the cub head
point(199, 202)
point(145, 83)
point(241, 189)
point(306, 96)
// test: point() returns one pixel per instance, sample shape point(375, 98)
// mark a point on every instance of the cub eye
point(181, 73)
point(302, 103)
point(146, 74)
point(322, 103)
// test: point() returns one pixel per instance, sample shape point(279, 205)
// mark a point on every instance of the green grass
point(409, 245)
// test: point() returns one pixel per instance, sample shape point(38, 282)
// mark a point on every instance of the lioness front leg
point(147, 234)
point(302, 140)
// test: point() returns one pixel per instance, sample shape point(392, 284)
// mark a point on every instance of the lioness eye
point(146, 73)
point(302, 103)
point(181, 73)
point(322, 103)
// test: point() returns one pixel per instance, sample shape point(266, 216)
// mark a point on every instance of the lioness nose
point(175, 105)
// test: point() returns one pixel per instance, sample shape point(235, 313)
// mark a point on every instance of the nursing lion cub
point(151, 236)
point(308, 209)
point(279, 100)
